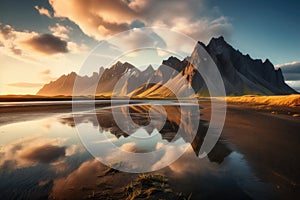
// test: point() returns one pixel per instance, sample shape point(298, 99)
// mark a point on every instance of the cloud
point(25, 85)
point(104, 18)
point(286, 66)
point(13, 43)
point(162, 53)
point(106, 22)
point(43, 11)
point(137, 38)
point(291, 71)
point(130, 147)
point(30, 151)
point(15, 50)
point(47, 44)
point(76, 48)
point(7, 32)
point(46, 75)
point(203, 29)
point(171, 152)
point(294, 84)
point(86, 176)
point(188, 164)
point(46, 72)
point(33, 47)
point(46, 153)
point(60, 31)
point(74, 149)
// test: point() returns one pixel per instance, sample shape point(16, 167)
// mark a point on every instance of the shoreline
point(269, 142)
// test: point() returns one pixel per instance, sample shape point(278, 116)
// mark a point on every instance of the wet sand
point(269, 142)
point(12, 112)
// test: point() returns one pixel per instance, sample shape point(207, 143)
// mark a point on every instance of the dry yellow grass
point(284, 100)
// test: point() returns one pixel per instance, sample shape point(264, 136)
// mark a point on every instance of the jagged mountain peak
point(119, 64)
point(173, 63)
point(149, 68)
point(241, 75)
point(219, 40)
point(220, 46)
point(267, 62)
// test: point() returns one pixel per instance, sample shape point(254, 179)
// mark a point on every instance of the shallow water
point(54, 156)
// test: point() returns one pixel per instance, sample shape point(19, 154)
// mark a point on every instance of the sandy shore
point(270, 142)
point(269, 139)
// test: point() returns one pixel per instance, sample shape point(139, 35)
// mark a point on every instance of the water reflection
point(105, 122)
point(44, 158)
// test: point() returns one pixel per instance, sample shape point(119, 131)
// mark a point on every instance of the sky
point(42, 39)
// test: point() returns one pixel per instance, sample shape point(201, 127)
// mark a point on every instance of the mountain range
point(240, 73)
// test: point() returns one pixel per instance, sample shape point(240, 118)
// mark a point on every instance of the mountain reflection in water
point(177, 116)
point(43, 157)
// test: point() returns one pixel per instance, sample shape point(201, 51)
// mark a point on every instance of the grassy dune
point(286, 101)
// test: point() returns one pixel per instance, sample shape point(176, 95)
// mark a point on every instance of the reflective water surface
point(43, 156)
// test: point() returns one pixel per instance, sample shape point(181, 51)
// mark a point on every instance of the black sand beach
point(268, 141)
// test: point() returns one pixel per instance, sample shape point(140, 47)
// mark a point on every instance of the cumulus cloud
point(291, 71)
point(33, 47)
point(294, 84)
point(90, 20)
point(7, 32)
point(25, 85)
point(47, 44)
point(87, 175)
point(14, 43)
point(15, 50)
point(60, 31)
point(171, 153)
point(30, 151)
point(43, 11)
point(46, 153)
point(130, 147)
point(138, 38)
point(103, 18)
point(77, 48)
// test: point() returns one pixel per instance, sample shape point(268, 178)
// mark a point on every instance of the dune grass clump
point(151, 186)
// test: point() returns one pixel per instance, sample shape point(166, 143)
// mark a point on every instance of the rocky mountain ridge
point(240, 73)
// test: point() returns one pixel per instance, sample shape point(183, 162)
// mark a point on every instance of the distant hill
point(241, 75)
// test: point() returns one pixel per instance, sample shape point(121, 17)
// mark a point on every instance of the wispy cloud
point(43, 11)
point(291, 71)
point(25, 85)
point(60, 31)
point(294, 84)
point(46, 72)
point(46, 75)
